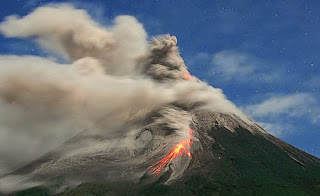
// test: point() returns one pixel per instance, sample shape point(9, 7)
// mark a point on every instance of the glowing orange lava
point(187, 75)
point(182, 148)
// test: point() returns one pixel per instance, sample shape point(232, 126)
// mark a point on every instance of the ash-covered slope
point(230, 157)
point(247, 162)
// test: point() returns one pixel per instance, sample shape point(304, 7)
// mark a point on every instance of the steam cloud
point(116, 80)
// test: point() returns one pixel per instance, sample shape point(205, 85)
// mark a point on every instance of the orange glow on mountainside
point(187, 75)
point(182, 148)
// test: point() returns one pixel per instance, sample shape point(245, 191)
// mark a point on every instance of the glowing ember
point(187, 75)
point(182, 148)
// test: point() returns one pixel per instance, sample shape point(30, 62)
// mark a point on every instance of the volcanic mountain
point(145, 125)
point(229, 157)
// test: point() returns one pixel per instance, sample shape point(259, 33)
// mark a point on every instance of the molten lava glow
point(187, 75)
point(182, 148)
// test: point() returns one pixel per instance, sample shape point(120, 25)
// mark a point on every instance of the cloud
point(231, 64)
point(278, 129)
point(279, 114)
point(293, 105)
point(234, 66)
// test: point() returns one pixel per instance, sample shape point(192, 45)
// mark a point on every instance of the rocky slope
point(230, 157)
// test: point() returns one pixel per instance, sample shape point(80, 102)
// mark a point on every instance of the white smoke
point(115, 80)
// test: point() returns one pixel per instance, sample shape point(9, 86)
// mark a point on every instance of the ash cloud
point(71, 33)
point(115, 84)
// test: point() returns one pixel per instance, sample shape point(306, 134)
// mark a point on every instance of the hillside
point(228, 159)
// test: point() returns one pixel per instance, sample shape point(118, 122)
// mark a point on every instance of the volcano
point(229, 157)
point(144, 124)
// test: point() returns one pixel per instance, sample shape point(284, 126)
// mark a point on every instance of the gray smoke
point(71, 33)
point(164, 62)
point(115, 84)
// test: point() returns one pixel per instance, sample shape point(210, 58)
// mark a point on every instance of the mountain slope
point(230, 157)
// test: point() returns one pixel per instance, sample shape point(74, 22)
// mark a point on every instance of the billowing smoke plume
point(71, 33)
point(116, 84)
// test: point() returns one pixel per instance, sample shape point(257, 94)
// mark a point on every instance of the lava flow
point(182, 148)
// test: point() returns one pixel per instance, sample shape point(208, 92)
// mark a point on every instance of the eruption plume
point(118, 94)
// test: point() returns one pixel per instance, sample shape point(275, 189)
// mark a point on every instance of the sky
point(263, 54)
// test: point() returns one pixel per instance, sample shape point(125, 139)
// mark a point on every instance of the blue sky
point(263, 54)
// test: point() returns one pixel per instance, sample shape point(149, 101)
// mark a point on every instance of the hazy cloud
point(277, 129)
point(278, 113)
point(231, 64)
point(234, 66)
point(291, 105)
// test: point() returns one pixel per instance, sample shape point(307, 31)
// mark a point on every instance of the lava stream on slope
point(182, 148)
